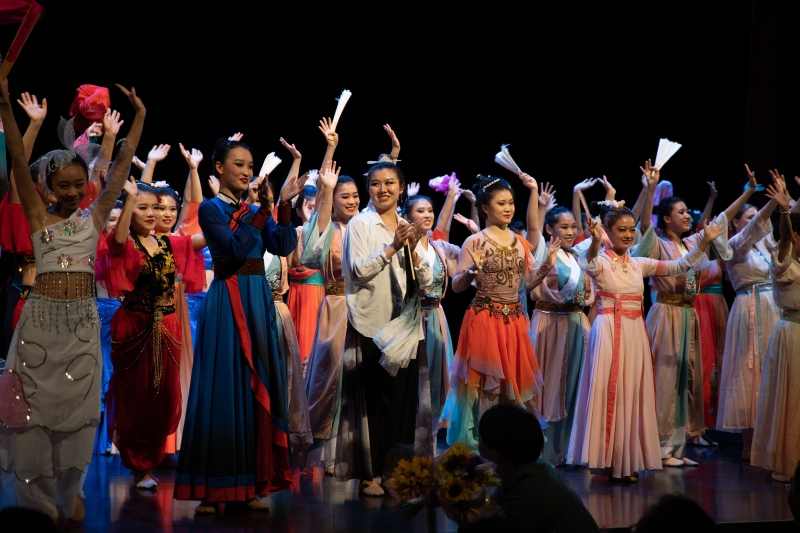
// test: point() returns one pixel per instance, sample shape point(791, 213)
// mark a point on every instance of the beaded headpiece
point(489, 184)
point(58, 159)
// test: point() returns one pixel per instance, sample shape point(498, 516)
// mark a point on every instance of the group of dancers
point(150, 323)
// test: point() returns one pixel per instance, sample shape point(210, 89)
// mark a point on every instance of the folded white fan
point(269, 165)
point(340, 107)
point(666, 149)
point(504, 159)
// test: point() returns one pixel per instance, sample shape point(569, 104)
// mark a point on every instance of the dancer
point(615, 426)
point(235, 444)
point(383, 344)
point(776, 438)
point(494, 362)
point(712, 314)
point(55, 358)
point(324, 234)
point(559, 329)
point(144, 402)
point(672, 324)
point(306, 285)
point(443, 259)
point(753, 316)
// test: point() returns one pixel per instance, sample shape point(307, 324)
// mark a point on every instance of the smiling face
point(679, 220)
point(235, 172)
point(622, 233)
point(166, 214)
point(421, 210)
point(111, 223)
point(565, 228)
point(70, 186)
point(499, 210)
point(345, 201)
point(384, 190)
point(739, 223)
point(143, 220)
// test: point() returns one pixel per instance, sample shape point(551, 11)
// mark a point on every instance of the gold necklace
point(623, 264)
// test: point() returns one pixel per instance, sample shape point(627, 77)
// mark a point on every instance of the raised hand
point(130, 187)
point(138, 163)
point(478, 254)
point(545, 194)
point(135, 101)
point(551, 204)
point(30, 104)
point(712, 190)
point(112, 122)
point(213, 183)
point(650, 173)
point(552, 251)
point(413, 189)
point(713, 231)
point(192, 158)
point(329, 175)
point(585, 184)
point(292, 149)
point(326, 127)
point(236, 136)
point(752, 184)
point(777, 190)
point(595, 227)
point(390, 132)
point(528, 181)
point(468, 222)
point(292, 187)
point(469, 195)
point(95, 130)
point(158, 152)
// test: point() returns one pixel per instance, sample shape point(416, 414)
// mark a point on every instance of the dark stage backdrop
point(577, 91)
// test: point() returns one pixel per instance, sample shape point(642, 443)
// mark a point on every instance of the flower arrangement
point(458, 476)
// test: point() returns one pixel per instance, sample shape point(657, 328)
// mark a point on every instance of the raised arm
point(597, 238)
point(124, 222)
point(294, 171)
point(532, 218)
point(712, 195)
point(749, 189)
point(36, 114)
point(120, 168)
point(449, 207)
point(193, 192)
point(111, 126)
point(395, 153)
point(611, 192)
point(29, 198)
point(545, 198)
point(577, 192)
point(652, 174)
point(331, 137)
point(470, 263)
point(639, 205)
point(157, 153)
point(777, 192)
point(327, 181)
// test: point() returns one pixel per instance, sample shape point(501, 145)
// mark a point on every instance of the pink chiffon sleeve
point(122, 264)
point(190, 263)
point(191, 224)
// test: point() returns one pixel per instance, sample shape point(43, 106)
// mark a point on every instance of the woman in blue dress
point(235, 440)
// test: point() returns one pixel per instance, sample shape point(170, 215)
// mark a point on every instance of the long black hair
point(485, 190)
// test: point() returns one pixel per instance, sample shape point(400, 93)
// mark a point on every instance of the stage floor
point(730, 490)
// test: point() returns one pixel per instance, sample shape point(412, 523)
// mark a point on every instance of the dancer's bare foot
point(257, 505)
point(329, 471)
point(370, 488)
point(207, 508)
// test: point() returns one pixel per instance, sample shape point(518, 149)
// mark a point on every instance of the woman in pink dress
point(615, 427)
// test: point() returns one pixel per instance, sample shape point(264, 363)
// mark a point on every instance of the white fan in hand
point(504, 159)
point(666, 149)
point(269, 165)
point(340, 107)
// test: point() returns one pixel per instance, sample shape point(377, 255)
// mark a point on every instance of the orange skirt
point(306, 291)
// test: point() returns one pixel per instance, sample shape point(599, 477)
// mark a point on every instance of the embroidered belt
point(714, 288)
point(756, 328)
point(428, 300)
point(334, 288)
point(561, 309)
point(496, 310)
point(678, 300)
point(277, 297)
point(619, 313)
point(311, 277)
point(143, 304)
point(227, 268)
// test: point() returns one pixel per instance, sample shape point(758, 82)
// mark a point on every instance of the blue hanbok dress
point(235, 440)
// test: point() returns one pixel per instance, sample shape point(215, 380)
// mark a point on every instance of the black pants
point(391, 404)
